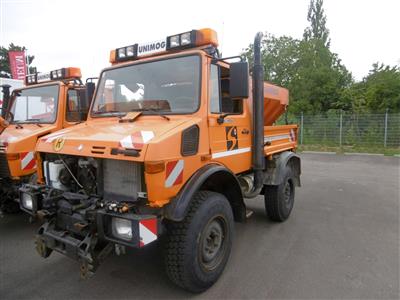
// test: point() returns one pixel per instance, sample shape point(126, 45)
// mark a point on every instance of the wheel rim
point(287, 195)
point(212, 246)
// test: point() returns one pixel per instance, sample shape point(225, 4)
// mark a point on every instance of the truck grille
point(122, 180)
point(4, 170)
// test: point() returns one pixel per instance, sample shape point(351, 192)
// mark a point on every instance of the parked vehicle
point(173, 143)
point(49, 102)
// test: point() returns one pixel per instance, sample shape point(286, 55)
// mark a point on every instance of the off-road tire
point(7, 203)
point(279, 199)
point(188, 261)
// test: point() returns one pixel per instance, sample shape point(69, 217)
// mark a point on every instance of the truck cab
point(173, 143)
point(49, 102)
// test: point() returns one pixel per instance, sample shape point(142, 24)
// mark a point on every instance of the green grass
point(343, 149)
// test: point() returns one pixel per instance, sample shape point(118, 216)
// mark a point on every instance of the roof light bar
point(30, 79)
point(59, 74)
point(126, 53)
point(189, 39)
point(182, 40)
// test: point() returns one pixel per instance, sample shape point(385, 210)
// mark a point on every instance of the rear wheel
point(197, 249)
point(279, 199)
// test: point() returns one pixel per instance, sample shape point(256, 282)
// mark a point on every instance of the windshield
point(35, 105)
point(169, 86)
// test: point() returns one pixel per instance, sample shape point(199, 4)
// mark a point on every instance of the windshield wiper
point(157, 112)
point(110, 113)
point(28, 121)
point(35, 121)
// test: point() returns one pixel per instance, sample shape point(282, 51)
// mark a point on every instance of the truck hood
point(24, 138)
point(97, 138)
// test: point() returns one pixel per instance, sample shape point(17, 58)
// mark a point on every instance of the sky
point(71, 33)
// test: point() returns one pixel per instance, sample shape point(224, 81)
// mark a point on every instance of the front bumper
point(91, 242)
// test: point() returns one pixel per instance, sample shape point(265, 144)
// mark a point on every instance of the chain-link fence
point(349, 129)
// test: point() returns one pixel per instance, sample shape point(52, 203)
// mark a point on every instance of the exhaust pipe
point(258, 120)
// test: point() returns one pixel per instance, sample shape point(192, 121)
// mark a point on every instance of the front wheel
point(197, 249)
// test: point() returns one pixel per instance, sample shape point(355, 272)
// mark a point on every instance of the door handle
point(245, 131)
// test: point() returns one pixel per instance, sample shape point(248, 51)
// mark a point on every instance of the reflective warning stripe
point(292, 135)
point(276, 138)
point(147, 231)
point(137, 139)
point(28, 161)
point(231, 152)
point(174, 172)
point(127, 142)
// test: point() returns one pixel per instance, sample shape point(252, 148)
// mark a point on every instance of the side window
point(215, 105)
point(73, 113)
point(220, 99)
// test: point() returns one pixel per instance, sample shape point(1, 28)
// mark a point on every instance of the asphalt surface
point(341, 241)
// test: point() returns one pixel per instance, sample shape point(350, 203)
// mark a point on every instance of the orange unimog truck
point(173, 143)
point(3, 124)
point(49, 102)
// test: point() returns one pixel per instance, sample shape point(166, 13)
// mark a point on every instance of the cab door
point(229, 123)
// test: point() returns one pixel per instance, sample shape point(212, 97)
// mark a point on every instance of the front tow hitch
point(88, 251)
point(89, 265)
point(41, 247)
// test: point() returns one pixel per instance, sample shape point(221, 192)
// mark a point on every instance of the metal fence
point(349, 129)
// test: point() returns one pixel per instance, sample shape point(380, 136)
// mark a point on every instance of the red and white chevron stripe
point(292, 135)
point(137, 139)
point(147, 231)
point(174, 172)
point(28, 161)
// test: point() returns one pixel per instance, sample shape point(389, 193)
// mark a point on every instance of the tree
point(315, 76)
point(378, 91)
point(279, 57)
point(317, 29)
point(5, 70)
point(382, 88)
point(320, 78)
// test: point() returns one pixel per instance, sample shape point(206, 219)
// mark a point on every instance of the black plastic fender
point(212, 177)
point(273, 174)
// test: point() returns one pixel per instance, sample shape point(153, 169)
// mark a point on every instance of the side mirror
point(90, 87)
point(84, 104)
point(239, 80)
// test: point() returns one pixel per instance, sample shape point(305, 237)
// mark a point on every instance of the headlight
point(27, 201)
point(186, 38)
point(130, 51)
point(121, 228)
point(121, 53)
point(174, 41)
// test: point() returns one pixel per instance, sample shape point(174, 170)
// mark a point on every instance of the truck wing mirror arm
point(221, 118)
